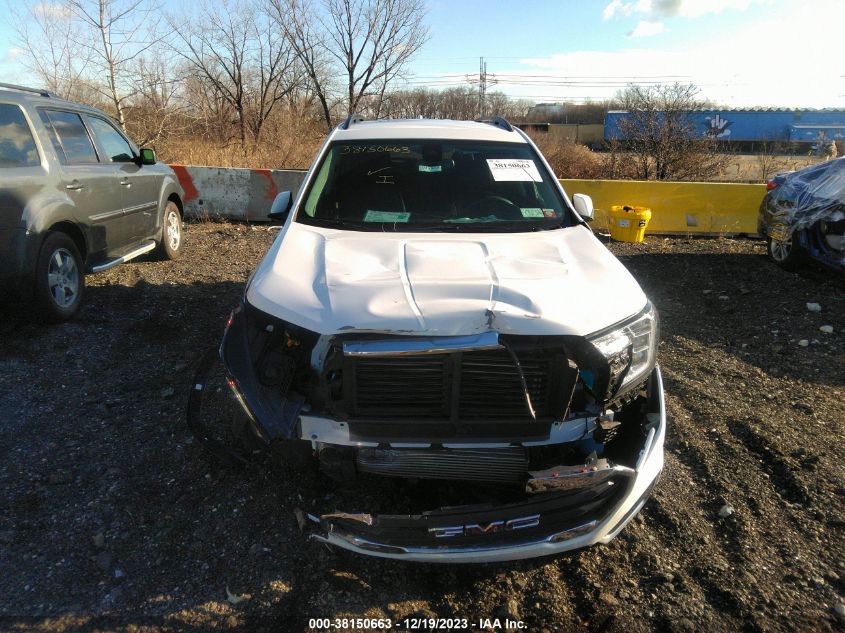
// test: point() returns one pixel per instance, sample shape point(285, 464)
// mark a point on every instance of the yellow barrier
point(677, 207)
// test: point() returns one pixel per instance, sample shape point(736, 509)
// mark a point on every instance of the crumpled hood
point(445, 284)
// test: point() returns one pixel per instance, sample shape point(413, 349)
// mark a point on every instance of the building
point(546, 111)
point(586, 134)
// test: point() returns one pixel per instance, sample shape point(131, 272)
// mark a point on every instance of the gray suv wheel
point(170, 244)
point(60, 277)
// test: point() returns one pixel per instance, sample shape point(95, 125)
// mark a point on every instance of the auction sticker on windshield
point(513, 170)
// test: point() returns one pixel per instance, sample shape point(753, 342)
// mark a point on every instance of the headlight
point(630, 350)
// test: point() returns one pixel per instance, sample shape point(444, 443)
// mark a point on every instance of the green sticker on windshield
point(387, 216)
point(431, 169)
point(532, 212)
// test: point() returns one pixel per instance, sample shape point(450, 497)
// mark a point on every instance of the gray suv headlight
point(630, 350)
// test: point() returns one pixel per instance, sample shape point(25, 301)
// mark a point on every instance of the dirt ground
point(113, 519)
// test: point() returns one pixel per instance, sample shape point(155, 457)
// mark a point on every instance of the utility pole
point(482, 86)
point(483, 80)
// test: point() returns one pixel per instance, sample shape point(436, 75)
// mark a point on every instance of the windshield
point(433, 185)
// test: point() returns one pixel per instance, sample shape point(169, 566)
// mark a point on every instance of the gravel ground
point(112, 518)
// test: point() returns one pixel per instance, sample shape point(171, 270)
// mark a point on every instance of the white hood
point(445, 284)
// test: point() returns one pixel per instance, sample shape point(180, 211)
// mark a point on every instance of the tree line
point(225, 69)
point(261, 81)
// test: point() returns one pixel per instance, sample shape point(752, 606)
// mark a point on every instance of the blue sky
point(739, 52)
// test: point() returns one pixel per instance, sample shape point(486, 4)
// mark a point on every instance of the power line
point(593, 77)
point(565, 78)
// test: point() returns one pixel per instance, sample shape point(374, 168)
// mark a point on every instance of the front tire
point(60, 278)
point(787, 254)
point(172, 235)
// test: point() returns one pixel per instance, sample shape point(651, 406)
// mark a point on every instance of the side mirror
point(148, 156)
point(583, 205)
point(281, 206)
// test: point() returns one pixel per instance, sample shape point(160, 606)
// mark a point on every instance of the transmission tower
point(483, 80)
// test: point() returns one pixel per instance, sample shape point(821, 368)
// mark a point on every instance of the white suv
point(438, 329)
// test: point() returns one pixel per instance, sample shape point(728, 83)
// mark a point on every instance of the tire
point(172, 234)
point(60, 278)
point(787, 254)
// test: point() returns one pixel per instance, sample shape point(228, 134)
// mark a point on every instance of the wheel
point(60, 277)
point(785, 253)
point(170, 243)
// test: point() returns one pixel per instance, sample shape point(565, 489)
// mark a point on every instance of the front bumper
point(526, 538)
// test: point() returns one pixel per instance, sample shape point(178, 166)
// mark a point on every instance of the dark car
point(76, 197)
point(802, 216)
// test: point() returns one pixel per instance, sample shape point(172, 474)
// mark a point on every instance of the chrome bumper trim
point(349, 541)
point(415, 346)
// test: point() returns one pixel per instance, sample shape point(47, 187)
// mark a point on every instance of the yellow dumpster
point(628, 224)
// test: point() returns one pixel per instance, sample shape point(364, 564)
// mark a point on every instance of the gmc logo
point(494, 527)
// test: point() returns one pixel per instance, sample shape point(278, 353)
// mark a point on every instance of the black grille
point(491, 386)
point(412, 386)
point(474, 385)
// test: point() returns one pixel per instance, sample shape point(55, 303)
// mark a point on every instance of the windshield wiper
point(485, 226)
point(505, 226)
point(336, 223)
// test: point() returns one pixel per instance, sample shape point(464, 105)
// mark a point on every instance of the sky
point(740, 53)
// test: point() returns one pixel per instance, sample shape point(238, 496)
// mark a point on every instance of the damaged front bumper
point(564, 475)
point(564, 510)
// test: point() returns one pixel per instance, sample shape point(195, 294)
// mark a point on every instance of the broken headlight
point(630, 350)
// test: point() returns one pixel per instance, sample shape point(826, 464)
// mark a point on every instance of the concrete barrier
point(713, 208)
point(238, 194)
point(677, 207)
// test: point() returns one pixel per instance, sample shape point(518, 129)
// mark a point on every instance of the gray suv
point(76, 196)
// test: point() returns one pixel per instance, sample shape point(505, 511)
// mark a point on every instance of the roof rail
point(355, 117)
point(498, 122)
point(38, 91)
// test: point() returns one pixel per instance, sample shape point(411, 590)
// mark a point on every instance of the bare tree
point(45, 33)
point(449, 103)
point(156, 107)
point(209, 111)
point(659, 133)
point(365, 44)
point(304, 31)
point(235, 49)
point(114, 34)
point(275, 75)
point(769, 158)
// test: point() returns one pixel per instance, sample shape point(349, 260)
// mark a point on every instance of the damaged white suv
point(437, 330)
